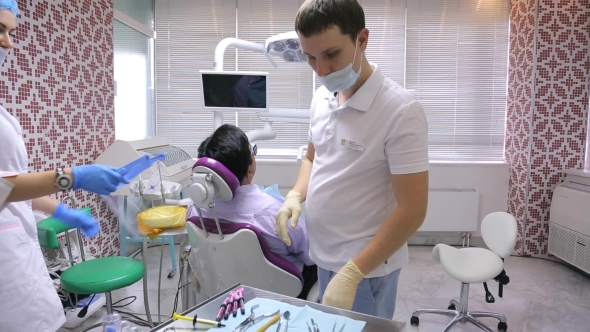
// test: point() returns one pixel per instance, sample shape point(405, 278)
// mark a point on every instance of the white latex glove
point(291, 209)
point(341, 290)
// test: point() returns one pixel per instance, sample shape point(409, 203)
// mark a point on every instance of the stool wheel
point(502, 326)
point(452, 307)
point(414, 321)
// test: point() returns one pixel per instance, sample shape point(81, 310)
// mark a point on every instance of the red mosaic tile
point(547, 109)
point(58, 81)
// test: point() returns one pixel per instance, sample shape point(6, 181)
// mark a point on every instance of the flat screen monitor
point(235, 90)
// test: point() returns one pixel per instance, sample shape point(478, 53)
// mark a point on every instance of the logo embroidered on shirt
point(352, 145)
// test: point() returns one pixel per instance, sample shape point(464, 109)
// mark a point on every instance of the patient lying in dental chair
point(229, 145)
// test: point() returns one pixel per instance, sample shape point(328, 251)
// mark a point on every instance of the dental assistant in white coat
point(365, 175)
point(28, 300)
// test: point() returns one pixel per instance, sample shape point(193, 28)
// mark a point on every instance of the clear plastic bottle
point(111, 323)
point(125, 326)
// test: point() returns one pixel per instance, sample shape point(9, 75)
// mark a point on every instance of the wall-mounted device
point(569, 220)
point(234, 90)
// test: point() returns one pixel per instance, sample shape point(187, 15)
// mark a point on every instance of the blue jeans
point(374, 296)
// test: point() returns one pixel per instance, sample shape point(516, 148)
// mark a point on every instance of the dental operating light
point(285, 45)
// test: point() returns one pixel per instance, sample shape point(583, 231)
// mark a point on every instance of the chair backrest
point(241, 257)
point(499, 231)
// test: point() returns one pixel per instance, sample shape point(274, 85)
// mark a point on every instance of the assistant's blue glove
point(77, 218)
point(98, 179)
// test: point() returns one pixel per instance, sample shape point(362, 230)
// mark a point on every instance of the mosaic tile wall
point(547, 117)
point(58, 82)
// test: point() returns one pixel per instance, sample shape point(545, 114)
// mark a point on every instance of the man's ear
point(363, 39)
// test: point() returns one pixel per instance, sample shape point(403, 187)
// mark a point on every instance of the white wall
point(490, 179)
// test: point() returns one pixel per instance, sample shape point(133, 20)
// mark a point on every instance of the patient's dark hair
point(229, 145)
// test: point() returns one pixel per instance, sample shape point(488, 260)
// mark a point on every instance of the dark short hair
point(316, 16)
point(228, 145)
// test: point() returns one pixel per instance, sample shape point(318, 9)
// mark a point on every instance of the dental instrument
point(284, 319)
point(222, 308)
point(229, 307)
point(251, 320)
point(270, 323)
point(240, 293)
point(341, 329)
point(196, 320)
point(313, 327)
point(236, 303)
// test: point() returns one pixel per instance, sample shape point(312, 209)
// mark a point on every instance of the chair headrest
point(221, 170)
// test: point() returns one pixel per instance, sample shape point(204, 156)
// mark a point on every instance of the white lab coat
point(28, 300)
point(5, 189)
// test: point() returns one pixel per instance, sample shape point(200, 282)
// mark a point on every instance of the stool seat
point(102, 275)
point(468, 265)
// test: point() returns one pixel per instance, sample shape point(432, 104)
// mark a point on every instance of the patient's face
point(251, 171)
point(253, 166)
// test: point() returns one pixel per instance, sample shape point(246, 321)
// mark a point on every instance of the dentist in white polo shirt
point(365, 175)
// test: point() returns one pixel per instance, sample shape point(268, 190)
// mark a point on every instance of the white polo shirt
point(380, 131)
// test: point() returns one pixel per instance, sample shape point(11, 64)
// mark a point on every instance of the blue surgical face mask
point(3, 54)
point(343, 79)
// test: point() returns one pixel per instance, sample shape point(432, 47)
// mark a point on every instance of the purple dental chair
point(223, 253)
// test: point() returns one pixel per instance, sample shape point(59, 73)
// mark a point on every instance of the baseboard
point(449, 239)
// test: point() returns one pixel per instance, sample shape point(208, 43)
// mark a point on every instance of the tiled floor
point(542, 295)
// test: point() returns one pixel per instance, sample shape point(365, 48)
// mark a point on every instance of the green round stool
point(102, 275)
point(95, 276)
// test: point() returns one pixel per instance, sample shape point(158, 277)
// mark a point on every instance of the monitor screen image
point(234, 90)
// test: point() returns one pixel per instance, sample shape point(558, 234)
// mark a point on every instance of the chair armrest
point(48, 229)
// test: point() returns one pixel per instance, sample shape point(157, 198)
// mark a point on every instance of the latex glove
point(98, 179)
point(77, 218)
point(341, 290)
point(291, 209)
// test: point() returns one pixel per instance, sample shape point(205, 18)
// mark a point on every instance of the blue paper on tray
point(297, 322)
point(324, 321)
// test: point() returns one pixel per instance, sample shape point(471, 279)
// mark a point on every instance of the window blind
point(133, 72)
point(386, 22)
point(456, 60)
point(187, 32)
point(290, 84)
point(133, 83)
point(452, 53)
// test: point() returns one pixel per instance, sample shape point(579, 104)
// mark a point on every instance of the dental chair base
point(460, 313)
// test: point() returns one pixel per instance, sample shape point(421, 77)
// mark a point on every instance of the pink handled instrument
point(240, 295)
point(228, 307)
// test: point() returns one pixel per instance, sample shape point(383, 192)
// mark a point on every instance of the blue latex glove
point(77, 218)
point(98, 179)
